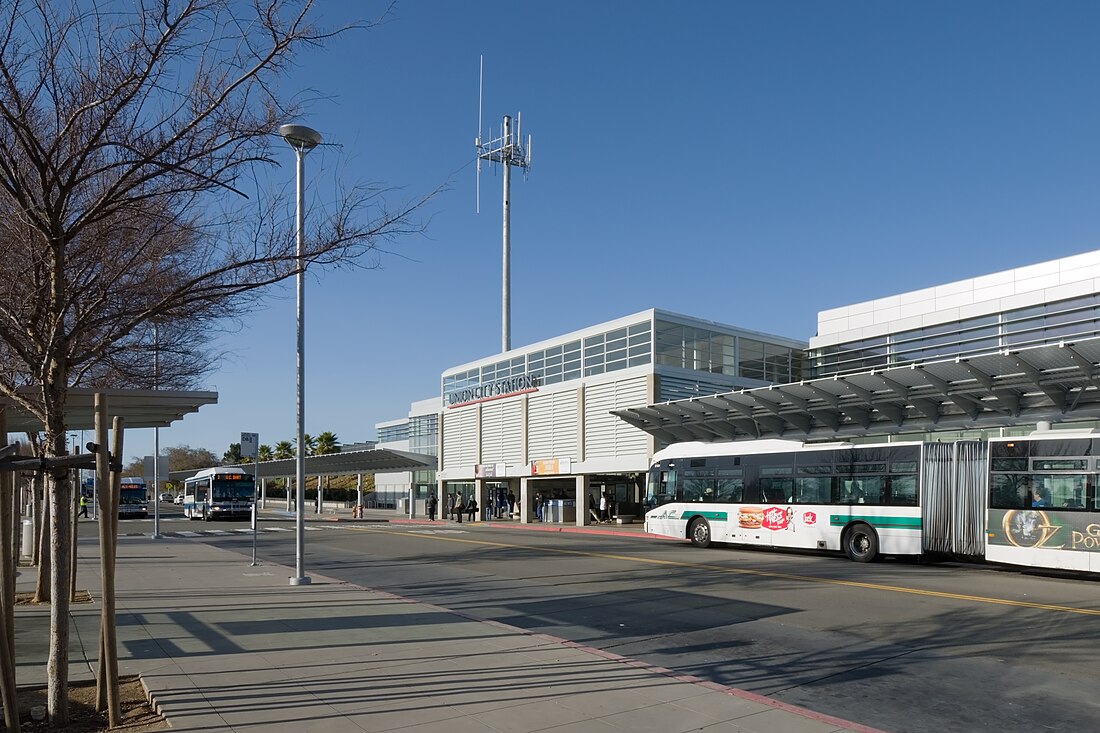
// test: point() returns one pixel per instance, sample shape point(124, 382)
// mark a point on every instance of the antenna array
point(508, 150)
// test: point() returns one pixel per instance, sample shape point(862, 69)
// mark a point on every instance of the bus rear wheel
point(699, 532)
point(861, 543)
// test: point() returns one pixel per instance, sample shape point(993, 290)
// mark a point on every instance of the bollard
point(27, 548)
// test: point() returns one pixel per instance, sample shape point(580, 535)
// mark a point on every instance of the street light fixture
point(302, 139)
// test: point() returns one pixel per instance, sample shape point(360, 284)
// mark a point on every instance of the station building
point(537, 421)
point(579, 416)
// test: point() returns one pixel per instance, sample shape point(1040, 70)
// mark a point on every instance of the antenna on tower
point(509, 151)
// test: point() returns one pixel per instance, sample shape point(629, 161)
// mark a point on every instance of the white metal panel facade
point(606, 436)
point(552, 425)
point(459, 437)
point(502, 432)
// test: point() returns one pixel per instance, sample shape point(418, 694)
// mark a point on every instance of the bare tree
point(129, 134)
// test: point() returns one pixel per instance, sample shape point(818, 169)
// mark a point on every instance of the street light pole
point(156, 439)
point(302, 139)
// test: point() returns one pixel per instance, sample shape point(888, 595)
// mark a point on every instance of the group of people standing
point(457, 505)
point(503, 503)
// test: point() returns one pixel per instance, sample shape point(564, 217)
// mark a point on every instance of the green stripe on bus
point(839, 520)
point(713, 516)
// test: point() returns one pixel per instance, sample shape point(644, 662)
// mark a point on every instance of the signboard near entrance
point(550, 467)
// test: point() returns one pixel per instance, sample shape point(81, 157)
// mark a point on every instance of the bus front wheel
point(699, 532)
point(861, 543)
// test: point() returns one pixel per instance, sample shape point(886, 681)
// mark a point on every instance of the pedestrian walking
point(431, 503)
point(450, 506)
point(511, 504)
point(460, 506)
point(603, 507)
point(83, 505)
point(471, 508)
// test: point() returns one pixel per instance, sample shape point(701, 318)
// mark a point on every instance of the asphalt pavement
point(221, 645)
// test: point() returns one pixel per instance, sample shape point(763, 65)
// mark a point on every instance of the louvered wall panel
point(502, 432)
point(605, 435)
point(552, 425)
point(460, 437)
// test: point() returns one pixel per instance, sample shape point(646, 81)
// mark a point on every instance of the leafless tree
point(130, 132)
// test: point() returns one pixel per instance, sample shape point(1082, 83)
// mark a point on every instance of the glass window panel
point(618, 333)
point(814, 490)
point(903, 491)
point(612, 366)
point(638, 360)
point(1058, 490)
point(1009, 490)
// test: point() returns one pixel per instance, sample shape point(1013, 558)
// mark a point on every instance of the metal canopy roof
point(377, 460)
point(1059, 382)
point(140, 408)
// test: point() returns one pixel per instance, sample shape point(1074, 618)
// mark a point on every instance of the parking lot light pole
point(302, 139)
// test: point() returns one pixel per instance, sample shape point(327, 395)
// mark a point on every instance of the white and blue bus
point(133, 501)
point(219, 493)
point(1031, 501)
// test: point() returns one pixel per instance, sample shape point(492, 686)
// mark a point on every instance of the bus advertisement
point(219, 493)
point(1030, 501)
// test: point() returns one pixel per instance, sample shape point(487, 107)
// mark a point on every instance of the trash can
point(27, 548)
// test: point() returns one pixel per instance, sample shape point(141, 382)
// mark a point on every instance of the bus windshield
point(234, 489)
point(135, 495)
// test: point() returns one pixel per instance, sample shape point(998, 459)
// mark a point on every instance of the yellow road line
point(758, 573)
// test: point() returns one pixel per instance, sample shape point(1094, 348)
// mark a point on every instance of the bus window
point(1061, 491)
point(698, 485)
point(661, 487)
point(903, 491)
point(812, 490)
point(729, 490)
point(1009, 490)
point(777, 490)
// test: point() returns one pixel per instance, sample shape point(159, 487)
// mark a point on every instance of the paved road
point(900, 646)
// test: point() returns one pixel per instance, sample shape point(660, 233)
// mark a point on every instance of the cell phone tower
point(508, 150)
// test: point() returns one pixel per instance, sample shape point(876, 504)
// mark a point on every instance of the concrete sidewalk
point(222, 646)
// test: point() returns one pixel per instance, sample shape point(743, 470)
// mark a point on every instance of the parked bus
point(133, 501)
point(1029, 501)
point(218, 493)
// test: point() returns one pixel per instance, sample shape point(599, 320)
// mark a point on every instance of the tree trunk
point(7, 597)
point(57, 669)
point(107, 677)
point(74, 483)
point(42, 587)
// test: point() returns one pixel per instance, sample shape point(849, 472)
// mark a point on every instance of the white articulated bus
point(1029, 501)
point(219, 493)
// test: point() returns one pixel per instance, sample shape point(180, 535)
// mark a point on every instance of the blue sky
point(749, 163)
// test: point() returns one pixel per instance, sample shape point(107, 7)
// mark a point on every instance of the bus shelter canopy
point(375, 460)
point(140, 408)
point(1055, 382)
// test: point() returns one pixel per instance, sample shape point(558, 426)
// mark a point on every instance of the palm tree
point(327, 443)
point(284, 449)
point(263, 453)
point(309, 444)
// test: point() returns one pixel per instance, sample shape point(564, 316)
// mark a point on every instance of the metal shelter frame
point(375, 460)
point(1057, 383)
